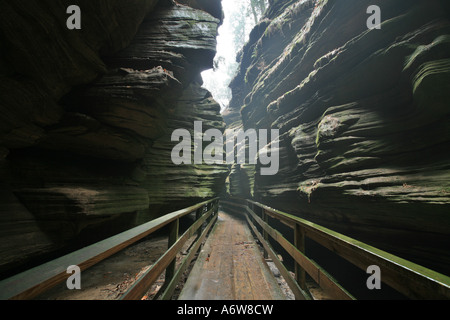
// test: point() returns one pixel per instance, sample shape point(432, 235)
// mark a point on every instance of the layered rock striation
point(87, 116)
point(363, 118)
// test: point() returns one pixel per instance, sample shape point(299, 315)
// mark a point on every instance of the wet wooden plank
point(168, 292)
point(231, 267)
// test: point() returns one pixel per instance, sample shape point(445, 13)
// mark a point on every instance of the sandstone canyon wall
point(86, 118)
point(363, 117)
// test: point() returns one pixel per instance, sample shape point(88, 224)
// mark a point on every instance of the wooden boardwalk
point(231, 267)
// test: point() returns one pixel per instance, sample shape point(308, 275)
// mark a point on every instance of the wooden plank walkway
point(231, 267)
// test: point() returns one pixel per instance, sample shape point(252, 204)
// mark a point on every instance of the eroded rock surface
point(363, 117)
point(87, 116)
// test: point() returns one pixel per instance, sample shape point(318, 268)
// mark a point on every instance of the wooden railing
point(410, 279)
point(30, 284)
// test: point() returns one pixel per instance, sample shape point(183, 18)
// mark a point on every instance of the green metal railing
point(410, 279)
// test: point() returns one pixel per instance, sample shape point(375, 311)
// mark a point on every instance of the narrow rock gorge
point(87, 117)
point(363, 116)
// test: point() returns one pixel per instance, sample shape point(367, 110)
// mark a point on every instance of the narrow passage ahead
point(231, 267)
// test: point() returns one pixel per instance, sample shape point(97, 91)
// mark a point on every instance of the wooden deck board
point(231, 267)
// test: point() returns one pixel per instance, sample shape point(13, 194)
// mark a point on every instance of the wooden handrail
point(142, 285)
point(33, 282)
point(408, 278)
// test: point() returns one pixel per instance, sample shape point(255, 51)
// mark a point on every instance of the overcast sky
point(217, 81)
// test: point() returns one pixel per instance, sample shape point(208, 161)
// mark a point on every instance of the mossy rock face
point(52, 59)
point(213, 7)
point(87, 116)
point(431, 88)
point(363, 119)
point(328, 128)
point(183, 184)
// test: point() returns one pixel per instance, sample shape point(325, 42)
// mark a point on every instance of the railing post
point(299, 242)
point(216, 210)
point(174, 228)
point(265, 218)
point(198, 215)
